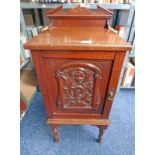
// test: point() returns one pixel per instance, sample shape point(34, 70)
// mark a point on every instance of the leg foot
point(101, 132)
point(55, 133)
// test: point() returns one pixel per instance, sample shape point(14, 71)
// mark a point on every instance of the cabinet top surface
point(78, 38)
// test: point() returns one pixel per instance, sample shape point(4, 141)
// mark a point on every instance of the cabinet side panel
point(36, 55)
point(115, 74)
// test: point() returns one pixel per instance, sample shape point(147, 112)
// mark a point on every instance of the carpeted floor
point(36, 137)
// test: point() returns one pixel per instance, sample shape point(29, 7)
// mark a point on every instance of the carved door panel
point(77, 82)
point(78, 85)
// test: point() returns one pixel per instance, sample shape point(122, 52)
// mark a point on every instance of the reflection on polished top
point(78, 29)
point(78, 38)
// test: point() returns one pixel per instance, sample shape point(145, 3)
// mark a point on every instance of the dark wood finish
point(79, 55)
point(83, 94)
point(101, 133)
point(76, 115)
point(79, 16)
point(116, 70)
point(78, 39)
point(55, 133)
point(61, 121)
point(78, 64)
point(79, 13)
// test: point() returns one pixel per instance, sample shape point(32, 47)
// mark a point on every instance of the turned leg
point(55, 133)
point(101, 132)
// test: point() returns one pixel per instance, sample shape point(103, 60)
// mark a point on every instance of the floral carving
point(76, 84)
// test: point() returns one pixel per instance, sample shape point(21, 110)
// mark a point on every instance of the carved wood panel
point(78, 82)
point(77, 85)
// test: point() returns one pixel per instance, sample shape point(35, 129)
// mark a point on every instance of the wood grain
point(79, 121)
point(65, 87)
point(79, 54)
point(79, 13)
point(115, 74)
point(77, 66)
point(76, 38)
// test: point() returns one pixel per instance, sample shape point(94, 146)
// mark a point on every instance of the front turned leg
point(55, 133)
point(101, 132)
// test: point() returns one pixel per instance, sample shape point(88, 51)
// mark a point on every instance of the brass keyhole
point(110, 94)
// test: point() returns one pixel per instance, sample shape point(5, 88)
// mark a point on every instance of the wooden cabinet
point(78, 61)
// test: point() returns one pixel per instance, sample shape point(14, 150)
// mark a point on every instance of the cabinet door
point(77, 85)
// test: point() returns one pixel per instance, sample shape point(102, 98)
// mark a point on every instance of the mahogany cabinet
point(78, 61)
